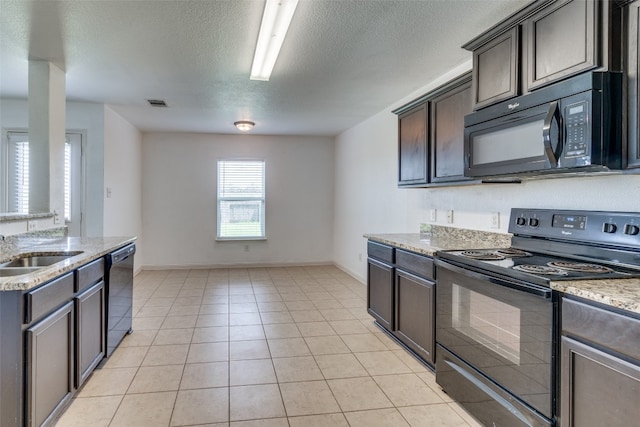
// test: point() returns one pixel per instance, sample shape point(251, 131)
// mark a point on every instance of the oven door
point(498, 335)
point(525, 141)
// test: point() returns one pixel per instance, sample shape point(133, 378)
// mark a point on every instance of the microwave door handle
point(552, 152)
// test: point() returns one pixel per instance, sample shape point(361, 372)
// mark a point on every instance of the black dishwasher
point(119, 295)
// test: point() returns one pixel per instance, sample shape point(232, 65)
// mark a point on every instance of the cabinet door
point(412, 147)
point(447, 134)
point(49, 368)
point(561, 41)
point(415, 314)
point(633, 71)
point(495, 70)
point(90, 339)
point(597, 389)
point(380, 292)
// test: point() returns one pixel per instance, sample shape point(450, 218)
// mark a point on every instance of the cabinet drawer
point(612, 330)
point(380, 251)
point(414, 263)
point(90, 273)
point(42, 300)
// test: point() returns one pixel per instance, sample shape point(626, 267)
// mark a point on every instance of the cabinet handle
point(553, 149)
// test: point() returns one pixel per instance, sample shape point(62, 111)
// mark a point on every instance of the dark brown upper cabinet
point(562, 40)
point(495, 69)
point(546, 41)
point(431, 136)
point(632, 42)
point(412, 146)
point(446, 136)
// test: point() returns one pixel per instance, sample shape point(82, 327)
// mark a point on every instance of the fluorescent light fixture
point(275, 23)
point(244, 125)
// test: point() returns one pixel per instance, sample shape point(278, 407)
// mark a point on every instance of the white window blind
point(18, 177)
point(67, 181)
point(241, 195)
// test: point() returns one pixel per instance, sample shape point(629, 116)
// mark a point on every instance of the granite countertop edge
point(92, 248)
point(444, 238)
point(620, 293)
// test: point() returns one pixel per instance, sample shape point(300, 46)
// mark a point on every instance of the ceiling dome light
point(244, 125)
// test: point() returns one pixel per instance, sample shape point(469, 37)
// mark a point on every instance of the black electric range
point(552, 245)
point(496, 325)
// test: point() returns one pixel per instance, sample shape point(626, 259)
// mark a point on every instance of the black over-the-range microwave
point(571, 126)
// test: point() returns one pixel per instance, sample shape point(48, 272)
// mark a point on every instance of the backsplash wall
point(474, 206)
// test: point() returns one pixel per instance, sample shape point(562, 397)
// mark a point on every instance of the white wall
point(367, 199)
point(123, 176)
point(179, 199)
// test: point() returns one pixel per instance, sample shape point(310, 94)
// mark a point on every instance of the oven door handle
point(533, 289)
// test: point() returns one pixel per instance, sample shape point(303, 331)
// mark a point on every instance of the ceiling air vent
point(157, 102)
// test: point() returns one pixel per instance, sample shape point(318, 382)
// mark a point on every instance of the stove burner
point(482, 255)
point(580, 267)
point(512, 252)
point(540, 269)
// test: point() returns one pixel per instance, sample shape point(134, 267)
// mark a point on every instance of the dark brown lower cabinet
point(49, 370)
point(90, 345)
point(380, 292)
point(415, 314)
point(600, 366)
point(401, 296)
point(599, 389)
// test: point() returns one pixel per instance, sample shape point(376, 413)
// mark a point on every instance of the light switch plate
point(433, 215)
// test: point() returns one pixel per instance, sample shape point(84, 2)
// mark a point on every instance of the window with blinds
point(18, 172)
point(241, 196)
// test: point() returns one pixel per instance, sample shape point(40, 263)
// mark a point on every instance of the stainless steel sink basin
point(38, 260)
point(17, 271)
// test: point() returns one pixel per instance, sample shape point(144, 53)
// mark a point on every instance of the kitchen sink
point(17, 271)
point(32, 260)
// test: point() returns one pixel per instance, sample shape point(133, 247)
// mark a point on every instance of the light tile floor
point(264, 347)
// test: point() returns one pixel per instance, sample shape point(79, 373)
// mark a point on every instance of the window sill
point(240, 239)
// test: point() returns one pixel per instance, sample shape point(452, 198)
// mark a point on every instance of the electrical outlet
point(495, 220)
point(450, 216)
point(32, 225)
point(433, 215)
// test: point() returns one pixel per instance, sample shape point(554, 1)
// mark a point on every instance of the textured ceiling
point(342, 60)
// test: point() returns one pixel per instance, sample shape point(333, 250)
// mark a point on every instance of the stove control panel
point(610, 228)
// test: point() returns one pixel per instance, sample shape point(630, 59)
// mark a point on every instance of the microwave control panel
point(576, 130)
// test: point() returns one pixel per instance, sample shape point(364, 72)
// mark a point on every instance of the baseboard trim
point(351, 273)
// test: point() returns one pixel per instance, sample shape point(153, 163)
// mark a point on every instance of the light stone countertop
point(91, 247)
point(620, 293)
point(444, 238)
point(12, 216)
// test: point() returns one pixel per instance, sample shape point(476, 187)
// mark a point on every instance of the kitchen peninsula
point(53, 321)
